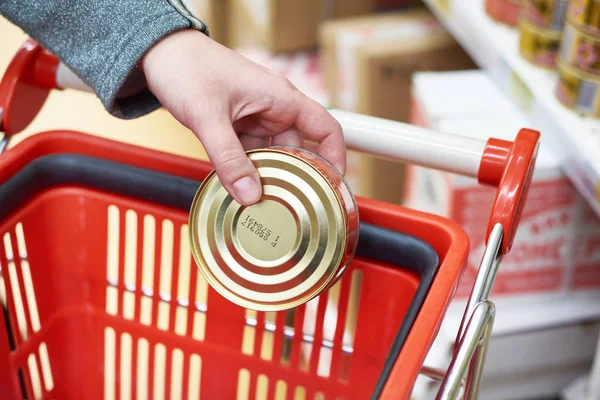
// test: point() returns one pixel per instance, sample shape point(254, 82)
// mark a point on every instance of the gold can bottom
point(539, 46)
point(287, 248)
point(578, 91)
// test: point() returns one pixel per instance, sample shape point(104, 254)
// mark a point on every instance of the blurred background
point(475, 67)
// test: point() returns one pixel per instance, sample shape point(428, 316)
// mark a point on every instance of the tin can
point(546, 14)
point(539, 46)
point(578, 91)
point(284, 250)
point(504, 11)
point(580, 49)
point(585, 14)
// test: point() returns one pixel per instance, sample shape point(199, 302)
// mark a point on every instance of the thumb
point(235, 171)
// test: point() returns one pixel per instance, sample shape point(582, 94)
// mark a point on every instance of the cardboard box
point(285, 25)
point(363, 56)
point(586, 250)
point(556, 244)
point(387, 5)
point(369, 62)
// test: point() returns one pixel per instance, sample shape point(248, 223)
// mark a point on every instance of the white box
point(547, 320)
point(554, 250)
point(536, 348)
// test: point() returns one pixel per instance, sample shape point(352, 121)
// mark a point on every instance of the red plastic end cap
point(45, 69)
point(21, 98)
point(514, 185)
point(493, 162)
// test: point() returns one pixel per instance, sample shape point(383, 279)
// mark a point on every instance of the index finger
point(318, 125)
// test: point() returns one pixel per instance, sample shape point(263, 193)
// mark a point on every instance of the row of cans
point(578, 65)
point(541, 25)
point(564, 35)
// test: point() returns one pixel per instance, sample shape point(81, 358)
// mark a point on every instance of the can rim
point(546, 33)
point(580, 29)
point(583, 75)
point(338, 259)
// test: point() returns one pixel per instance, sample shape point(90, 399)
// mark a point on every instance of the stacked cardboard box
point(546, 290)
point(557, 247)
point(283, 25)
point(369, 62)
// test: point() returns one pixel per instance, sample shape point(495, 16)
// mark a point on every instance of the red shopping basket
point(103, 301)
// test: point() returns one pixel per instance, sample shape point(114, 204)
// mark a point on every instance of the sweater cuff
point(123, 89)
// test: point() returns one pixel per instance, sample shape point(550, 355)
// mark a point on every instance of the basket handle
point(26, 84)
point(34, 71)
point(501, 163)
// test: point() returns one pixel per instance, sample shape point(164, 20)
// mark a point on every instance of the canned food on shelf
point(547, 14)
point(580, 49)
point(505, 11)
point(284, 250)
point(577, 90)
point(539, 46)
point(585, 14)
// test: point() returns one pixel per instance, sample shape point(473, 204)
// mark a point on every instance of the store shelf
point(494, 47)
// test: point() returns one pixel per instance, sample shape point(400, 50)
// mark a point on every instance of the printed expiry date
point(259, 230)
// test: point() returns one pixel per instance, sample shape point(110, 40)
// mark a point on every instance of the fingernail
point(246, 190)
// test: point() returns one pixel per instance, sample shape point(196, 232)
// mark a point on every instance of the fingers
point(318, 125)
point(290, 137)
point(235, 171)
point(252, 142)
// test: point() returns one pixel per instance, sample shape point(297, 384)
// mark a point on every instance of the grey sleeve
point(102, 41)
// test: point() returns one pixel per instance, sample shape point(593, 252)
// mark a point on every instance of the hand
point(232, 104)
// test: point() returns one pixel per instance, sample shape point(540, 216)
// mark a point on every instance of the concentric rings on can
point(578, 91)
point(539, 46)
point(580, 49)
point(585, 14)
point(287, 248)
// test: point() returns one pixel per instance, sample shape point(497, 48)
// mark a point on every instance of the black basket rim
point(375, 243)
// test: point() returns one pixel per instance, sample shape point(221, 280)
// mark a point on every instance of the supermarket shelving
point(494, 47)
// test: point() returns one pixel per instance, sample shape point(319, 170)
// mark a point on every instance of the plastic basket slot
point(151, 271)
point(300, 393)
point(281, 389)
point(149, 267)
point(221, 349)
point(271, 335)
point(34, 367)
point(26, 387)
point(36, 375)
point(129, 377)
point(14, 293)
point(260, 387)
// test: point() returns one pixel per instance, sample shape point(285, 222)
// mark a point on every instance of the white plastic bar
point(380, 137)
point(67, 79)
point(411, 144)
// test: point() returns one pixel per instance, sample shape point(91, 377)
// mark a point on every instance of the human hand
point(233, 104)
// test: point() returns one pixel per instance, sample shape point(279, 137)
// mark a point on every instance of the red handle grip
point(25, 86)
point(509, 166)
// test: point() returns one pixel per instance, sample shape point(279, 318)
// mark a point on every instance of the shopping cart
point(102, 300)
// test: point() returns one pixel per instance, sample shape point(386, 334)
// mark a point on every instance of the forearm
point(102, 41)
